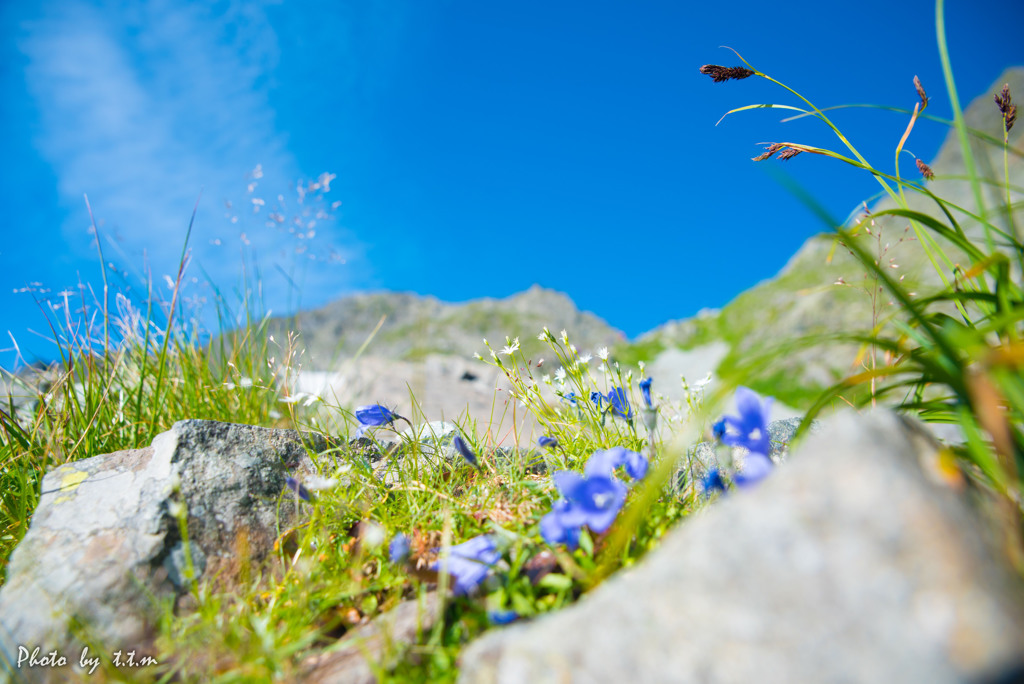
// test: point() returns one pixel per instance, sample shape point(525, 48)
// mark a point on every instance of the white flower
point(317, 483)
point(702, 383)
point(546, 379)
point(602, 353)
point(585, 359)
point(510, 348)
point(544, 334)
point(565, 337)
point(560, 374)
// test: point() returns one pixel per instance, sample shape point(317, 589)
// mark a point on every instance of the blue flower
point(756, 467)
point(750, 428)
point(605, 462)
point(597, 398)
point(398, 549)
point(645, 391)
point(718, 429)
point(547, 442)
point(467, 453)
point(297, 487)
point(468, 563)
point(375, 415)
point(620, 404)
point(594, 500)
point(570, 397)
point(502, 617)
point(713, 481)
point(554, 531)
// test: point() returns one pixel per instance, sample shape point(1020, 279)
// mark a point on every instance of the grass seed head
point(920, 92)
point(720, 73)
point(1006, 108)
point(925, 170)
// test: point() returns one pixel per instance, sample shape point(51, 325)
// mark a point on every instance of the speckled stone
point(102, 549)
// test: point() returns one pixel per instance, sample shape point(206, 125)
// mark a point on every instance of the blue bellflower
point(298, 488)
point(398, 549)
point(756, 467)
point(547, 442)
point(372, 416)
point(469, 563)
point(718, 429)
point(620, 404)
point(467, 453)
point(594, 500)
point(605, 462)
point(713, 481)
point(645, 391)
point(554, 531)
point(375, 415)
point(597, 398)
point(502, 617)
point(750, 428)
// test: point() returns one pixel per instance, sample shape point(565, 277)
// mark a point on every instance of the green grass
point(116, 390)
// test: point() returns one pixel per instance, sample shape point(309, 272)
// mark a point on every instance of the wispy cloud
point(145, 105)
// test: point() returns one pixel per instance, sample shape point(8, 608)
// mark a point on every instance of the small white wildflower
point(245, 382)
point(546, 379)
point(565, 337)
point(317, 483)
point(371, 534)
point(642, 365)
point(478, 357)
point(602, 353)
point(572, 348)
point(511, 347)
point(560, 374)
point(543, 334)
point(704, 382)
point(585, 359)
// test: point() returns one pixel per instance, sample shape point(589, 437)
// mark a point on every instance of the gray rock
point(103, 549)
point(846, 565)
point(374, 645)
point(703, 456)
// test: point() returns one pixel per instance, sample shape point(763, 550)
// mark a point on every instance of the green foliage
point(952, 355)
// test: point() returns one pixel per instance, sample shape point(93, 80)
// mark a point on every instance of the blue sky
point(475, 148)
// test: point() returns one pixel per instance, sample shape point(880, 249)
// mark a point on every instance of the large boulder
point(848, 564)
point(104, 549)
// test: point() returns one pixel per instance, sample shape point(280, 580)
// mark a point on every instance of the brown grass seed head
point(721, 73)
point(920, 92)
point(1006, 108)
point(925, 170)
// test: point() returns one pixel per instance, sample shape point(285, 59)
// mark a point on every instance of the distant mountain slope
point(415, 326)
point(804, 297)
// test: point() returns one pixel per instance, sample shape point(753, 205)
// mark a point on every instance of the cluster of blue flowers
point(592, 499)
point(749, 430)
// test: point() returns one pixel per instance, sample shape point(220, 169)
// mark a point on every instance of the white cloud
point(145, 105)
